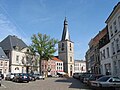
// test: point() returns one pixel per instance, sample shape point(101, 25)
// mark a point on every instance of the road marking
point(4, 86)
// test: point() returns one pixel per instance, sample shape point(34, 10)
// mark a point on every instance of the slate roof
point(10, 41)
point(65, 34)
point(2, 54)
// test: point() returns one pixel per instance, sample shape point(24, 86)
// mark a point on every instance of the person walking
point(1, 77)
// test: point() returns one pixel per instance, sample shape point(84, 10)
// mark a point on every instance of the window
point(62, 46)
point(115, 26)
point(5, 70)
point(111, 32)
point(16, 68)
point(5, 63)
point(1, 63)
point(100, 55)
point(108, 55)
point(113, 49)
point(104, 53)
point(70, 67)
point(119, 20)
point(103, 79)
point(117, 45)
point(17, 59)
point(70, 59)
point(45, 66)
point(70, 44)
point(22, 69)
point(0, 70)
point(70, 47)
point(23, 60)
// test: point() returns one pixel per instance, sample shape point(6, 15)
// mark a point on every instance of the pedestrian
point(1, 77)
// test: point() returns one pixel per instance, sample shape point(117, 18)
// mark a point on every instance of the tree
point(44, 46)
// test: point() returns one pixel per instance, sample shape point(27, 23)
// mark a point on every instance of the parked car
point(76, 75)
point(31, 77)
point(84, 75)
point(39, 76)
point(10, 76)
point(106, 82)
point(21, 77)
point(93, 77)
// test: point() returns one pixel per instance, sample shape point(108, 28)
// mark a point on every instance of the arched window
point(62, 44)
point(16, 68)
point(62, 47)
point(70, 47)
point(70, 67)
point(70, 44)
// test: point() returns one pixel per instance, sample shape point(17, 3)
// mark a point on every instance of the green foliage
point(43, 45)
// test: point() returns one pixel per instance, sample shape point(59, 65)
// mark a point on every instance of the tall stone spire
point(65, 34)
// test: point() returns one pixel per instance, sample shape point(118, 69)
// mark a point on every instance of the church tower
point(66, 50)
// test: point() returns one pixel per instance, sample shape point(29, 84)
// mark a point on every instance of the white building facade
point(113, 23)
point(79, 66)
point(18, 53)
point(55, 66)
point(106, 60)
point(21, 62)
point(4, 63)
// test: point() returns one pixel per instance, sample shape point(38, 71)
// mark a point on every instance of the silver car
point(39, 76)
point(10, 76)
point(106, 81)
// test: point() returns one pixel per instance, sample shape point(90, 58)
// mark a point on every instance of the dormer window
point(16, 48)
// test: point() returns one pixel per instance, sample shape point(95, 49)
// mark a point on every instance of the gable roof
point(2, 54)
point(10, 41)
point(56, 59)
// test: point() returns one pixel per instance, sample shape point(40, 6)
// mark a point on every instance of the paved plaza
point(47, 84)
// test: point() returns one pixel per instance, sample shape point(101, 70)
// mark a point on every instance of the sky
point(86, 18)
